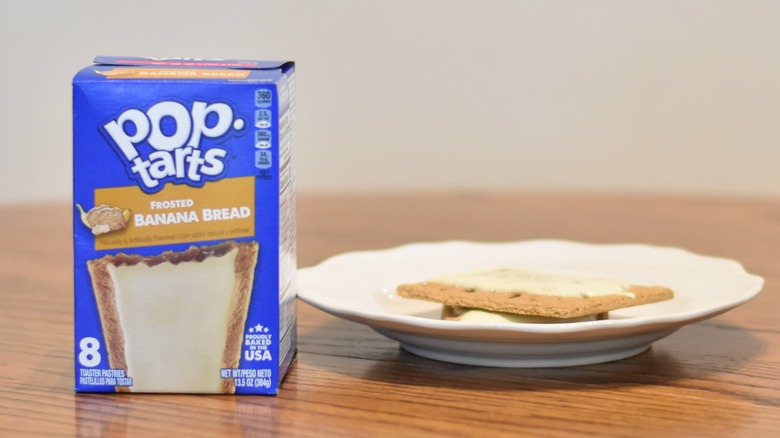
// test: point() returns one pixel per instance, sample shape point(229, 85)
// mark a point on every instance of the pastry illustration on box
point(174, 320)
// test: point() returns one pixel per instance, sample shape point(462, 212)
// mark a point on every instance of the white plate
point(360, 287)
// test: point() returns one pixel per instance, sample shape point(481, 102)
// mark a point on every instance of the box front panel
point(177, 235)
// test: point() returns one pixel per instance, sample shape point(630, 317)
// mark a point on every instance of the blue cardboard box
point(184, 225)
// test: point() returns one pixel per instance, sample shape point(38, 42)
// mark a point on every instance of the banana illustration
point(104, 218)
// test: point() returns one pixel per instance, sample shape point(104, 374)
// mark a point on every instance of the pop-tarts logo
point(167, 142)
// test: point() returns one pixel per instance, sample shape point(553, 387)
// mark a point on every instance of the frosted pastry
point(174, 320)
point(526, 292)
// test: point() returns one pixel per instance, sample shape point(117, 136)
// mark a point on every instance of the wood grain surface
point(716, 378)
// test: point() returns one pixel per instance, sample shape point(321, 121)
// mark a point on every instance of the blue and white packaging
point(184, 225)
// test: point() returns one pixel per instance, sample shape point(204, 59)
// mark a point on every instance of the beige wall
point(654, 96)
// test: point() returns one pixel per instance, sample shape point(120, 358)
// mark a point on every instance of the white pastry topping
point(515, 280)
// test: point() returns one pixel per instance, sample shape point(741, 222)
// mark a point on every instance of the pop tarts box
point(184, 225)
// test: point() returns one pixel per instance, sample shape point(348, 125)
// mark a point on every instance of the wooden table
point(714, 378)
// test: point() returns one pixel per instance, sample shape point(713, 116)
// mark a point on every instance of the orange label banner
point(178, 213)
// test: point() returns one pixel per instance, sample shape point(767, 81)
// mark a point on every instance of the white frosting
point(175, 320)
point(515, 280)
point(476, 315)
